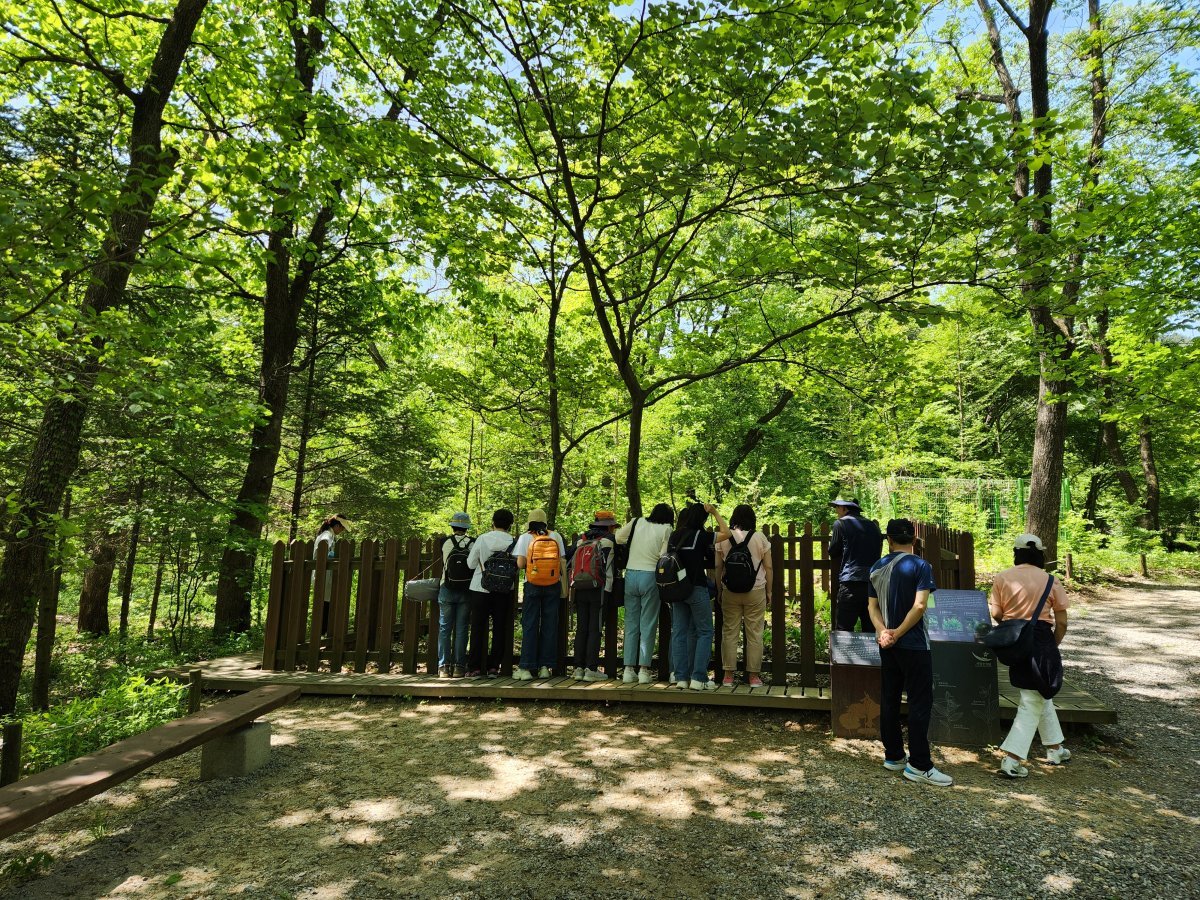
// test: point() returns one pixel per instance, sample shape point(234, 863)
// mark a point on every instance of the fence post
point(322, 600)
point(195, 684)
point(275, 607)
point(778, 612)
point(1069, 574)
point(966, 561)
point(1145, 570)
point(411, 611)
point(10, 761)
point(932, 552)
point(388, 589)
point(808, 612)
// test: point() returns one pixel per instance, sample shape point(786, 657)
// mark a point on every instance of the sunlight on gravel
point(382, 799)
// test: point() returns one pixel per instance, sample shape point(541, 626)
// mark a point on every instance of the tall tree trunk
point(1151, 519)
point(158, 581)
point(305, 431)
point(135, 535)
point(47, 623)
point(633, 487)
point(550, 361)
point(56, 451)
point(282, 301)
point(754, 437)
point(97, 584)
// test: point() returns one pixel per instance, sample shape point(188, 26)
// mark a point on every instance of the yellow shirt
point(1016, 592)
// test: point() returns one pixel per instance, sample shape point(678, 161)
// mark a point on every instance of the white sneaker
point(644, 676)
point(593, 675)
point(1010, 768)
point(544, 672)
point(522, 675)
point(681, 683)
point(1058, 757)
point(579, 673)
point(709, 685)
point(629, 676)
point(895, 765)
point(933, 776)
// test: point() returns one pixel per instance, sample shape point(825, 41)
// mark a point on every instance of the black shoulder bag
point(1012, 639)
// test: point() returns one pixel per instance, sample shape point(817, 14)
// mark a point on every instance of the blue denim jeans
point(692, 636)
point(454, 613)
point(539, 626)
point(642, 607)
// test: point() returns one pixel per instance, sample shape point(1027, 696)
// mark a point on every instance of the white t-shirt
point(523, 542)
point(326, 535)
point(649, 543)
point(485, 545)
point(760, 546)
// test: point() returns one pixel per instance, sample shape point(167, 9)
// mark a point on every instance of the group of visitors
point(662, 558)
point(606, 564)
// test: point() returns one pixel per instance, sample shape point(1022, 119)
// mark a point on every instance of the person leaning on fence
point(490, 610)
point(330, 531)
point(454, 604)
point(692, 617)
point(899, 590)
point(542, 554)
point(858, 541)
point(646, 540)
point(1016, 593)
point(591, 580)
point(743, 566)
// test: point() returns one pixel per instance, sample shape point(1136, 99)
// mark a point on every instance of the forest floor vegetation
point(373, 799)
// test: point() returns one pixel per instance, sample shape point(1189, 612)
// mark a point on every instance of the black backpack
point(740, 570)
point(500, 571)
point(671, 576)
point(458, 572)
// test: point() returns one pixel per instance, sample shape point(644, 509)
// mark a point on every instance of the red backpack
point(542, 561)
point(587, 566)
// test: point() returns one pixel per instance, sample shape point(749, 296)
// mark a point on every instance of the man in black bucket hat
point(858, 541)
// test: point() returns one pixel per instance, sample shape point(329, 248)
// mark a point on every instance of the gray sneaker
point(522, 675)
point(1058, 757)
point(933, 776)
point(1010, 768)
point(593, 675)
point(544, 672)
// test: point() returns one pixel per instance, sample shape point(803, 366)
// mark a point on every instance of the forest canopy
point(398, 258)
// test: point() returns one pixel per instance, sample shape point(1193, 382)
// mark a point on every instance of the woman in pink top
point(745, 592)
point(1015, 595)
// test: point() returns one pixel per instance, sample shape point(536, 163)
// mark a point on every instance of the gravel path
point(478, 800)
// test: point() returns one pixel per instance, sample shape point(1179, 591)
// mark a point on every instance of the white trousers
point(1034, 714)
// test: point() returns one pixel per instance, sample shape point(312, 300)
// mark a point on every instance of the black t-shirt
point(692, 547)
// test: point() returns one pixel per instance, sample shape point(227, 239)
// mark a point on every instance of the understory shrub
point(81, 726)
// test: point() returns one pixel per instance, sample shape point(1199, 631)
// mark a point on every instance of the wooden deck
point(244, 672)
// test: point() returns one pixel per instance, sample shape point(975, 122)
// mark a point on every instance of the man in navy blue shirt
point(900, 587)
point(857, 541)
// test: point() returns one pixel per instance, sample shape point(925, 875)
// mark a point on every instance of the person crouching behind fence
point(329, 532)
point(542, 554)
point(899, 589)
point(493, 581)
point(1016, 593)
point(591, 580)
point(454, 605)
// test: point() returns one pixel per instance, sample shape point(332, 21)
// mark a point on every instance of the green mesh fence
point(996, 505)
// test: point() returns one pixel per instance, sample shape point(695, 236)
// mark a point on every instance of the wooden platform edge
point(423, 686)
point(38, 797)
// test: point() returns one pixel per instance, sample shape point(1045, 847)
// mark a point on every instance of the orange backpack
point(542, 563)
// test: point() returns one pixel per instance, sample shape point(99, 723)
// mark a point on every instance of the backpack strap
point(1041, 603)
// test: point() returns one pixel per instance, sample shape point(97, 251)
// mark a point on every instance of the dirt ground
point(381, 799)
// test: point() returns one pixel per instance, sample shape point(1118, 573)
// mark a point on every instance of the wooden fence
point(381, 627)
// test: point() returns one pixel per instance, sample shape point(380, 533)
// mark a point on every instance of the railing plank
point(808, 637)
point(275, 607)
point(389, 586)
point(339, 606)
point(362, 604)
point(296, 607)
point(778, 612)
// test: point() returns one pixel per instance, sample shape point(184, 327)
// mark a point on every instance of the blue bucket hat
point(460, 520)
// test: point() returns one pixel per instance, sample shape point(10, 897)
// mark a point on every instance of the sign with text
point(966, 696)
point(854, 686)
point(958, 616)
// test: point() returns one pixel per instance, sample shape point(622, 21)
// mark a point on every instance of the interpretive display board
point(854, 684)
point(966, 696)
